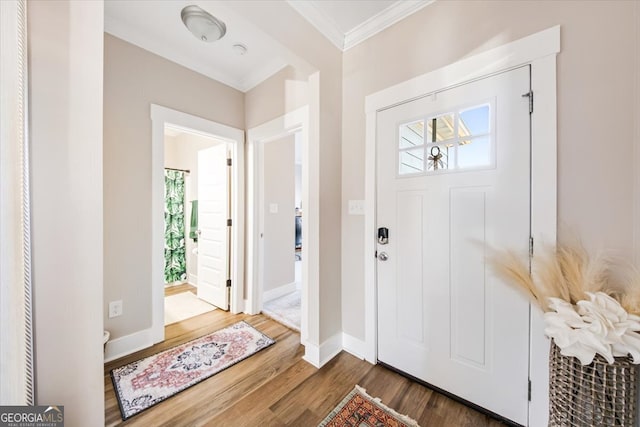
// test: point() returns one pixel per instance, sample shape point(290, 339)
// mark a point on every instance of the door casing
point(538, 50)
point(292, 122)
point(235, 138)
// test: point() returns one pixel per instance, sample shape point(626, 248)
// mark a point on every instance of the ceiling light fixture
point(202, 24)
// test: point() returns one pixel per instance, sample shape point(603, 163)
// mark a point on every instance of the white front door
point(453, 181)
point(213, 213)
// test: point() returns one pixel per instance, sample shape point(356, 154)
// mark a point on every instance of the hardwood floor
point(277, 388)
point(177, 289)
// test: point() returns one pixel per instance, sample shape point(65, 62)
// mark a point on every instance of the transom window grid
point(459, 139)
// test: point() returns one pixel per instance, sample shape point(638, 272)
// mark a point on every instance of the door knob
point(383, 256)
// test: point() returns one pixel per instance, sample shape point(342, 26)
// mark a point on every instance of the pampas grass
point(629, 294)
point(567, 272)
point(511, 267)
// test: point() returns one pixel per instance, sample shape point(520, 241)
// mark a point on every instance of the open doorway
point(294, 122)
point(281, 199)
point(195, 180)
point(220, 221)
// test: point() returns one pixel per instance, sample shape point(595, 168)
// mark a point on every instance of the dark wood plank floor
point(277, 388)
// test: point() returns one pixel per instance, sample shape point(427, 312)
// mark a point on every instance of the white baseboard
point(353, 345)
point(318, 356)
point(192, 280)
point(272, 294)
point(128, 344)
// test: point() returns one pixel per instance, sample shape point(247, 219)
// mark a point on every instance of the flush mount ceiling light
point(202, 24)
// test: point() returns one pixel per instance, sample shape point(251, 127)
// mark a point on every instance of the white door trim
point(540, 51)
point(235, 137)
point(297, 120)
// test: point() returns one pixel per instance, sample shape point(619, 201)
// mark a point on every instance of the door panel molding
point(479, 328)
point(213, 241)
point(538, 50)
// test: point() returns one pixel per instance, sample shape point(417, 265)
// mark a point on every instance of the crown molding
point(320, 21)
point(372, 26)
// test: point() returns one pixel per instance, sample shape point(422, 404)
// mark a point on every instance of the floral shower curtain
point(175, 266)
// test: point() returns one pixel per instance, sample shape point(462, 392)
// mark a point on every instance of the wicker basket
point(598, 394)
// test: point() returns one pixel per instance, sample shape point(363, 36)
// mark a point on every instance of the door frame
point(290, 123)
point(235, 138)
point(538, 50)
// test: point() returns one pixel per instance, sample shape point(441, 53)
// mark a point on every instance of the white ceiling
point(155, 25)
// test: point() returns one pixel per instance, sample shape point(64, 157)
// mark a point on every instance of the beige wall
point(65, 60)
point(279, 228)
point(134, 79)
point(279, 94)
point(181, 152)
point(596, 117)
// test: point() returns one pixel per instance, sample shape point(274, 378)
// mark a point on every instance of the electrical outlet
point(115, 309)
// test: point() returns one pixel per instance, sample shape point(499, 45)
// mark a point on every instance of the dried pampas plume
point(568, 272)
point(629, 293)
point(512, 268)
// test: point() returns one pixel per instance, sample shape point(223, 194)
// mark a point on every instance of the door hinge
point(376, 254)
point(229, 223)
point(228, 283)
point(529, 391)
point(229, 162)
point(530, 246)
point(530, 96)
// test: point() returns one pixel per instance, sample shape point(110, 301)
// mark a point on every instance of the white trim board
point(353, 345)
point(372, 26)
point(278, 292)
point(318, 356)
point(294, 121)
point(320, 21)
point(124, 346)
point(327, 27)
point(540, 51)
point(235, 137)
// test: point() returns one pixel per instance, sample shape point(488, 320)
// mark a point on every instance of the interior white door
point(453, 181)
point(213, 213)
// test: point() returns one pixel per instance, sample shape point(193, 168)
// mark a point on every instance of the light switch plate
point(273, 208)
point(356, 207)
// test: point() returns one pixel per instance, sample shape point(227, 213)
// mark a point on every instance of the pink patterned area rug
point(146, 382)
